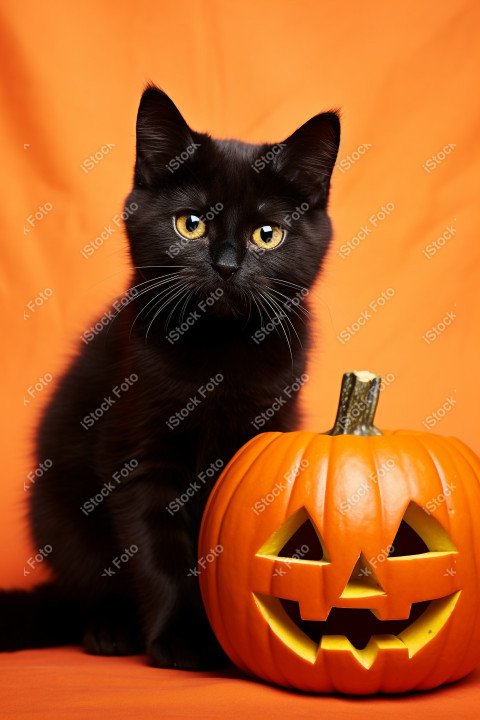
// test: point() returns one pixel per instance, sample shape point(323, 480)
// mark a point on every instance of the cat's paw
point(112, 636)
point(174, 650)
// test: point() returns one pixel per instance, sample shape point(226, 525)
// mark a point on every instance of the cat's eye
point(268, 237)
point(190, 226)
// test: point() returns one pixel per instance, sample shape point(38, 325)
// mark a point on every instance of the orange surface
point(405, 76)
point(66, 684)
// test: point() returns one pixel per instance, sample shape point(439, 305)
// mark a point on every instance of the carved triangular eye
point(407, 542)
point(296, 538)
point(362, 582)
point(419, 532)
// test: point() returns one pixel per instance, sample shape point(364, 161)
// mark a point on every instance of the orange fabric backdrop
point(404, 76)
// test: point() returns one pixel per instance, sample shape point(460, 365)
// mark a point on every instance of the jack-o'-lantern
point(347, 561)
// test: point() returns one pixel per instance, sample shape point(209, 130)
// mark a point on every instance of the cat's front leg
point(163, 565)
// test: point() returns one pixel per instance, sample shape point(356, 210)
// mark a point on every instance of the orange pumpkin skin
point(320, 476)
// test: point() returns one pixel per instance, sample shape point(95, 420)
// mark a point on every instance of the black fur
point(150, 599)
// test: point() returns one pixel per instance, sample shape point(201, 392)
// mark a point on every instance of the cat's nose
point(225, 259)
point(225, 270)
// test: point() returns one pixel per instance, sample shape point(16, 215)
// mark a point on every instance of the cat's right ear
point(162, 136)
point(308, 156)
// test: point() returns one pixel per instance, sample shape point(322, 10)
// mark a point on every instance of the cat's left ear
point(308, 156)
point(164, 139)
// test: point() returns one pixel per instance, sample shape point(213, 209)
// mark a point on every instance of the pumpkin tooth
point(366, 656)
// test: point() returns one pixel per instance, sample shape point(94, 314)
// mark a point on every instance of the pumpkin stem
point(358, 401)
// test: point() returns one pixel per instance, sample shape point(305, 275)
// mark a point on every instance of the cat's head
point(225, 219)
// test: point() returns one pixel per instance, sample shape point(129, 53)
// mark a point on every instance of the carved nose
point(225, 271)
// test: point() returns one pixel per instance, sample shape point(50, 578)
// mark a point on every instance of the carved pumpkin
point(347, 561)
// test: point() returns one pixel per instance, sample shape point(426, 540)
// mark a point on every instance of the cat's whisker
point(275, 324)
point(165, 292)
point(165, 276)
point(153, 286)
point(280, 322)
point(153, 283)
point(292, 308)
point(122, 271)
point(158, 298)
point(286, 282)
point(165, 304)
point(182, 297)
point(185, 305)
point(258, 308)
point(318, 299)
point(277, 311)
point(288, 319)
point(143, 267)
point(248, 297)
point(269, 317)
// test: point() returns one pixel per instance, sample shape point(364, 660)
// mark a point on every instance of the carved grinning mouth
point(356, 624)
point(356, 630)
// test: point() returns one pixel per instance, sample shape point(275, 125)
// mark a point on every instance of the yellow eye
point(268, 237)
point(190, 226)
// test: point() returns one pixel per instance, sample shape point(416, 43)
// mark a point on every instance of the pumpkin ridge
point(447, 447)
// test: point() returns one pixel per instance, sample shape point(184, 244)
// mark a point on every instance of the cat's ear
point(162, 137)
point(308, 156)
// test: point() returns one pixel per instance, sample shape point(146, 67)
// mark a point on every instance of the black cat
point(225, 238)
